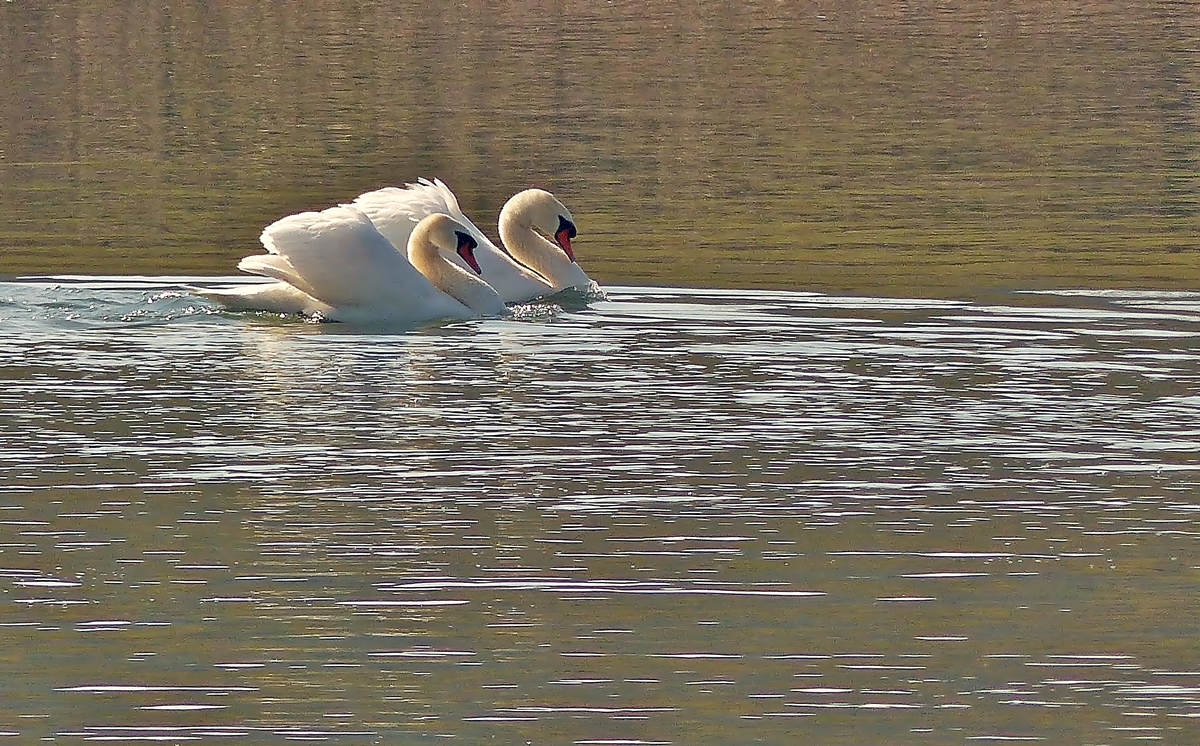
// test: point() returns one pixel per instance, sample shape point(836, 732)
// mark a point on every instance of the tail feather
point(275, 297)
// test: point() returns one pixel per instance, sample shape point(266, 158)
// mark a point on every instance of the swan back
point(525, 222)
point(396, 210)
point(337, 257)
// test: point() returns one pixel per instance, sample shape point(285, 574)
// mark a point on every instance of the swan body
point(541, 267)
point(336, 264)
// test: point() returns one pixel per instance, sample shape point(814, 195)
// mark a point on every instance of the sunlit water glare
point(670, 516)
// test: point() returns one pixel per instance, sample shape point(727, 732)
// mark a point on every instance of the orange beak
point(564, 234)
point(563, 237)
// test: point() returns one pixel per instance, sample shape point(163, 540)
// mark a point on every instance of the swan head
point(447, 234)
point(541, 211)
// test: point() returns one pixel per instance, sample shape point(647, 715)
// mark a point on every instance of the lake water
point(936, 150)
point(886, 431)
point(668, 516)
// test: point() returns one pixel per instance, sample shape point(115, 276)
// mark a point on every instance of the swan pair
point(345, 263)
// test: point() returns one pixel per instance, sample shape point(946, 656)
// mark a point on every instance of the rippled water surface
point(671, 516)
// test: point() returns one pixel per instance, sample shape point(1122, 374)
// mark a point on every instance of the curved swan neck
point(530, 248)
point(448, 277)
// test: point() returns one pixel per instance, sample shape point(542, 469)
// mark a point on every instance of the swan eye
point(565, 225)
point(465, 239)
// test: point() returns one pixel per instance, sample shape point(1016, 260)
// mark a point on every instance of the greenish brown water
point(902, 500)
point(924, 149)
point(693, 517)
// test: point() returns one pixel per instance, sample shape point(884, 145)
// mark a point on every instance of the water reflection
point(674, 517)
point(883, 150)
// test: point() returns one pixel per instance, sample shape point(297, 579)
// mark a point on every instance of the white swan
point(336, 264)
point(541, 268)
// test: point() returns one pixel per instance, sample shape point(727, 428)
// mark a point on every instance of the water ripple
point(660, 513)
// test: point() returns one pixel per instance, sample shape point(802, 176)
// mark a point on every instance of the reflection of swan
point(525, 222)
point(336, 264)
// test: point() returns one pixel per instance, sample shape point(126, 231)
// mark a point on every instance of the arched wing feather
point(395, 211)
point(337, 256)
